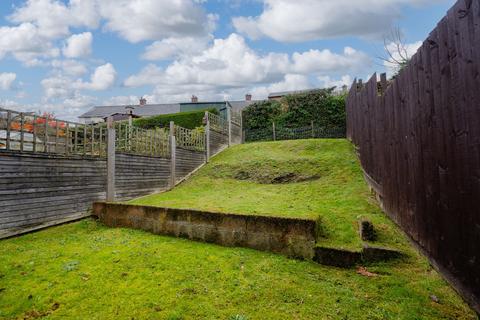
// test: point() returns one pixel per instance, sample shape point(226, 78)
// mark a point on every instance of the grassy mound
point(302, 178)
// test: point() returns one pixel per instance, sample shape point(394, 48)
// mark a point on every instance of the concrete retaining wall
point(291, 237)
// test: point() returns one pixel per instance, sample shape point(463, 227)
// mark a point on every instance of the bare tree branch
point(396, 50)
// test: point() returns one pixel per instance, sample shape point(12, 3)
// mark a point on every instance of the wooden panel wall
point(137, 176)
point(218, 142)
point(187, 161)
point(419, 141)
point(236, 134)
point(39, 190)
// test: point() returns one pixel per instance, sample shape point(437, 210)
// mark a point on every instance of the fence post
point(173, 159)
point(207, 136)
point(229, 120)
point(9, 120)
point(313, 131)
point(22, 134)
point(241, 128)
point(34, 133)
point(110, 160)
point(274, 134)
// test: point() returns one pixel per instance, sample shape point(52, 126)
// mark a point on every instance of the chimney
point(248, 97)
point(194, 99)
point(143, 101)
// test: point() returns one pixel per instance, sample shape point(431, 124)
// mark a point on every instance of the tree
point(397, 53)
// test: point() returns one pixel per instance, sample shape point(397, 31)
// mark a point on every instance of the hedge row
point(325, 108)
point(189, 119)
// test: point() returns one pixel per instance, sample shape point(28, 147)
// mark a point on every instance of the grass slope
point(87, 271)
point(327, 183)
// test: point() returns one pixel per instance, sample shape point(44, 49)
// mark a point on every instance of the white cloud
point(122, 100)
point(26, 44)
point(141, 20)
point(6, 80)
point(303, 20)
point(102, 79)
point(314, 61)
point(177, 27)
point(328, 82)
point(78, 45)
point(229, 64)
point(64, 85)
point(78, 101)
point(151, 74)
point(229, 68)
point(54, 18)
point(175, 47)
point(134, 20)
point(70, 67)
point(57, 87)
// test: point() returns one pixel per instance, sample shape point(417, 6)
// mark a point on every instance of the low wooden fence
point(26, 132)
point(52, 170)
point(419, 144)
point(280, 132)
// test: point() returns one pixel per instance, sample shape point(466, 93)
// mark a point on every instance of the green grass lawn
point(303, 178)
point(84, 270)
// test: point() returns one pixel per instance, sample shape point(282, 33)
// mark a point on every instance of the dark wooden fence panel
point(419, 145)
point(187, 161)
point(137, 176)
point(41, 190)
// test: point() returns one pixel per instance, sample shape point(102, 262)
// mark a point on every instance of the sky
point(64, 57)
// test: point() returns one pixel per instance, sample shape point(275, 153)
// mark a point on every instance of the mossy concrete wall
point(291, 237)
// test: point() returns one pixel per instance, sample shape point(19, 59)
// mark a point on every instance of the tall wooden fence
point(52, 170)
point(419, 144)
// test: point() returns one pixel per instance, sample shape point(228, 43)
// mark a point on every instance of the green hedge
point(323, 107)
point(260, 115)
point(189, 119)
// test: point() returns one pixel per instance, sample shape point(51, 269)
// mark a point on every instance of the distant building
point(101, 113)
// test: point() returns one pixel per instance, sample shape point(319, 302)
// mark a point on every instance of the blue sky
point(66, 56)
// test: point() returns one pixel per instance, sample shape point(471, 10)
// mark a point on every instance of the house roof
point(155, 109)
point(143, 111)
point(240, 105)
